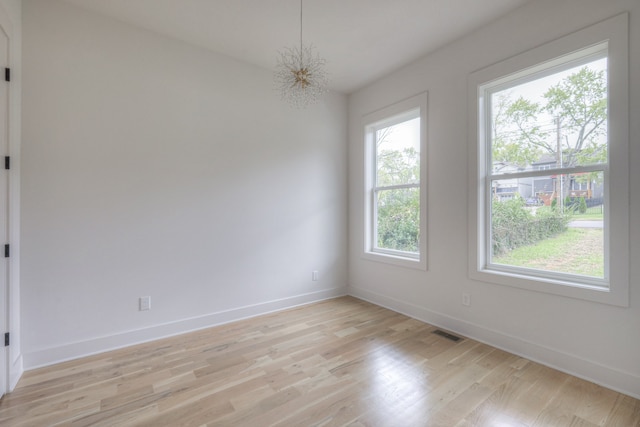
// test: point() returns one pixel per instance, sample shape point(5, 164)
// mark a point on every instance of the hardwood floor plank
point(341, 362)
point(626, 411)
point(594, 402)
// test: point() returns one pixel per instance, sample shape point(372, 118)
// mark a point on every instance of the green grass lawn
point(576, 251)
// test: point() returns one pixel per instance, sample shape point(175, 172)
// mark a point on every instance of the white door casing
point(4, 211)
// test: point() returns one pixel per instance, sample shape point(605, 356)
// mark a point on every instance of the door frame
point(9, 284)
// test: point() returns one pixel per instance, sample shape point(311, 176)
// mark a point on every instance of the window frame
point(408, 109)
point(573, 48)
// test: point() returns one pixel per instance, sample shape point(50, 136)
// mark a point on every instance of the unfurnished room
point(320, 213)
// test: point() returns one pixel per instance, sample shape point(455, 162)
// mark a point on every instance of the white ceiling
point(361, 40)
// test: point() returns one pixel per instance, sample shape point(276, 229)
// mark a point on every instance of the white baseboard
point(15, 372)
point(623, 382)
point(70, 351)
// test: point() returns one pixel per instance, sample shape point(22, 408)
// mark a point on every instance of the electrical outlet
point(466, 299)
point(145, 303)
point(314, 275)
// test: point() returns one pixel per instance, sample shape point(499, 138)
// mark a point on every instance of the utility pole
point(559, 161)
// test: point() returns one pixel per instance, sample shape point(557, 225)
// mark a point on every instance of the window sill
point(618, 296)
point(400, 261)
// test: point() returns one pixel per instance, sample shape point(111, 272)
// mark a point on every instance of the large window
point(552, 120)
point(551, 144)
point(395, 150)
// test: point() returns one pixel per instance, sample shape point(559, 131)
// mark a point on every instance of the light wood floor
point(334, 363)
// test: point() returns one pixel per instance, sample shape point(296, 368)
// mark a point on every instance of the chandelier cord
point(300, 32)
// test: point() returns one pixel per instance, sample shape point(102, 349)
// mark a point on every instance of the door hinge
point(6, 339)
point(6, 251)
point(7, 162)
point(7, 74)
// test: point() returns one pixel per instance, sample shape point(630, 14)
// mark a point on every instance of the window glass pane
point(398, 219)
point(398, 154)
point(532, 226)
point(559, 120)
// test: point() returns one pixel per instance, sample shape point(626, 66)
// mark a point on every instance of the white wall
point(595, 341)
point(12, 9)
point(151, 167)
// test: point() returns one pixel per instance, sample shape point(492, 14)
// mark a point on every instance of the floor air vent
point(447, 335)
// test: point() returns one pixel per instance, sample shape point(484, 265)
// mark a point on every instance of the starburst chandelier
point(300, 75)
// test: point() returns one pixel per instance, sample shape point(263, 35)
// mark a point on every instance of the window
point(550, 148)
point(395, 183)
point(558, 114)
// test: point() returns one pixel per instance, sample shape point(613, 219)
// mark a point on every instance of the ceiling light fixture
point(300, 74)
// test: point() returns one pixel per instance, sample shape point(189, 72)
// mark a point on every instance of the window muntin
point(395, 223)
